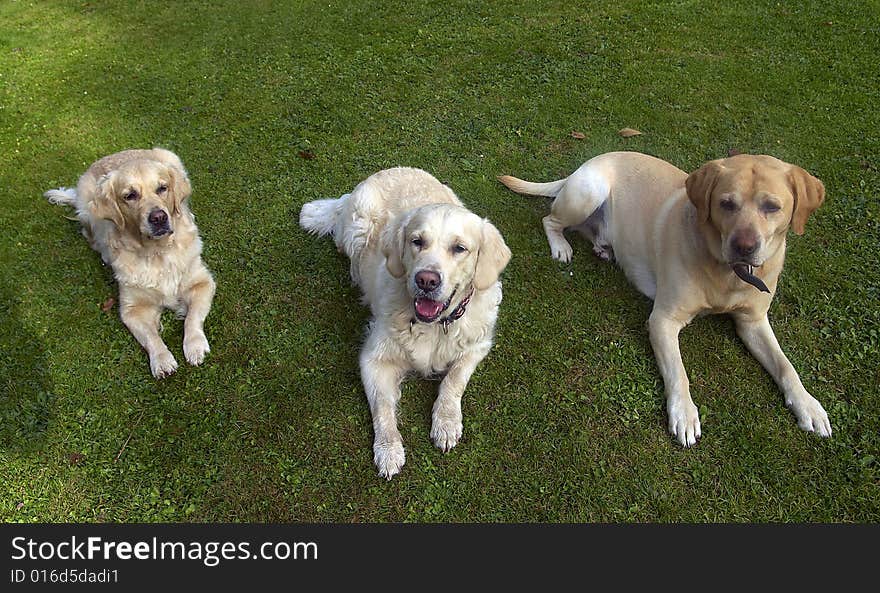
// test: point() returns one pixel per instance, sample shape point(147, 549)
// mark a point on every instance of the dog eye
point(161, 189)
point(131, 196)
point(728, 205)
point(770, 207)
point(459, 248)
point(418, 242)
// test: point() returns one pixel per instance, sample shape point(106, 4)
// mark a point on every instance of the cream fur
point(375, 225)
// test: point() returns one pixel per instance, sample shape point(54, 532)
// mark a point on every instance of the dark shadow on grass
point(26, 390)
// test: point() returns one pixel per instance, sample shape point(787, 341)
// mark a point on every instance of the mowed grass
point(565, 419)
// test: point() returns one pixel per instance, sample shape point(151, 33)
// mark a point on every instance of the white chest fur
point(430, 350)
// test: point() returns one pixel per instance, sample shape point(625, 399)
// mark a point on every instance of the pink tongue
point(428, 308)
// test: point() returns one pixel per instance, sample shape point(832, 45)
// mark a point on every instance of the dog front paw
point(684, 422)
point(811, 416)
point(195, 348)
point(446, 431)
point(603, 252)
point(389, 458)
point(162, 364)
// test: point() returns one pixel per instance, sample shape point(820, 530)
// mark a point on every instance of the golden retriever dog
point(133, 209)
point(428, 269)
point(709, 242)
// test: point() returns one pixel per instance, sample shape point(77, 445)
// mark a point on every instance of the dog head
point(748, 202)
point(143, 197)
point(442, 250)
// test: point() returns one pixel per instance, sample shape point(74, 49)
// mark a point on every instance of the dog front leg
point(381, 381)
point(198, 298)
point(759, 338)
point(446, 425)
point(684, 419)
point(142, 320)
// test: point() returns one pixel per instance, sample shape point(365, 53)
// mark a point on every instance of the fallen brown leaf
point(578, 135)
point(627, 132)
point(306, 154)
point(108, 304)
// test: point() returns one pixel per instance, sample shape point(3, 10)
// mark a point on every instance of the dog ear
point(179, 187)
point(700, 184)
point(492, 257)
point(809, 193)
point(393, 245)
point(104, 205)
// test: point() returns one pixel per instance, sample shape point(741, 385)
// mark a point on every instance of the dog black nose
point(427, 280)
point(158, 218)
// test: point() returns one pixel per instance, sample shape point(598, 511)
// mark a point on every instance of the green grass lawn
point(565, 419)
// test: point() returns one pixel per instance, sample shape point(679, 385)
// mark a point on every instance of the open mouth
point(744, 272)
point(428, 310)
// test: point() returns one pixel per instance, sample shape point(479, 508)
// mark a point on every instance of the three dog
point(709, 242)
point(134, 211)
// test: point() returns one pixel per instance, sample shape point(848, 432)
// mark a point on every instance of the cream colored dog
point(428, 269)
point(133, 209)
point(692, 243)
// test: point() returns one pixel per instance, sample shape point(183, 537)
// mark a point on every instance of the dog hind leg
point(585, 192)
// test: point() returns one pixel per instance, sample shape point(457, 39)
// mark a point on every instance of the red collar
point(458, 312)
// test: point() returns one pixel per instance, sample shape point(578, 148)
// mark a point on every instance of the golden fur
point(678, 237)
point(134, 212)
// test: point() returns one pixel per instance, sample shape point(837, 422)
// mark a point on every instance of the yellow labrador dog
point(133, 209)
point(709, 242)
point(428, 269)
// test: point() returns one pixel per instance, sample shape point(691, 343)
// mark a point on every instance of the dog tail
point(63, 196)
point(551, 189)
point(319, 217)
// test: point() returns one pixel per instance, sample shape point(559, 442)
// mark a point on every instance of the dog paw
point(811, 416)
point(162, 364)
point(684, 422)
point(389, 458)
point(195, 348)
point(603, 252)
point(561, 252)
point(446, 431)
